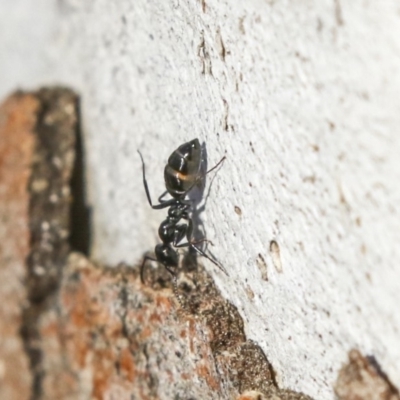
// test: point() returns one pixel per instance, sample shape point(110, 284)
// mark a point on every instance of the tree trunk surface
point(302, 98)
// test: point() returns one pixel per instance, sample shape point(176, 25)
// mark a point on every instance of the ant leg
point(171, 271)
point(188, 244)
point(164, 204)
point(216, 165)
point(183, 230)
point(179, 233)
point(203, 241)
point(201, 252)
point(189, 231)
point(187, 203)
point(142, 266)
point(202, 176)
point(160, 199)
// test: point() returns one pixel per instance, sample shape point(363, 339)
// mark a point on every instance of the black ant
point(181, 174)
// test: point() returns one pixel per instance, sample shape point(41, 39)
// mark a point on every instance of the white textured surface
point(304, 98)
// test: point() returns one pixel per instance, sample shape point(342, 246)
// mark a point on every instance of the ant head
point(166, 255)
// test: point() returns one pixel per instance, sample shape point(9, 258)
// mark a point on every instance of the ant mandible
point(181, 174)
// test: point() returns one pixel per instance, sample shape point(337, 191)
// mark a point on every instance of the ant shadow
point(378, 368)
point(199, 202)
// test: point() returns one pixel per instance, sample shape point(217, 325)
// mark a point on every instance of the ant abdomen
point(182, 171)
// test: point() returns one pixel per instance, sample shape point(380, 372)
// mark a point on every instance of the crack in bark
point(49, 214)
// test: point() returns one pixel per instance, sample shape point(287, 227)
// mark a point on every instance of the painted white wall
point(304, 99)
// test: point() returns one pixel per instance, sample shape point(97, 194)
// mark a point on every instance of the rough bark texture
point(303, 99)
point(362, 378)
point(49, 213)
point(112, 337)
point(17, 142)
